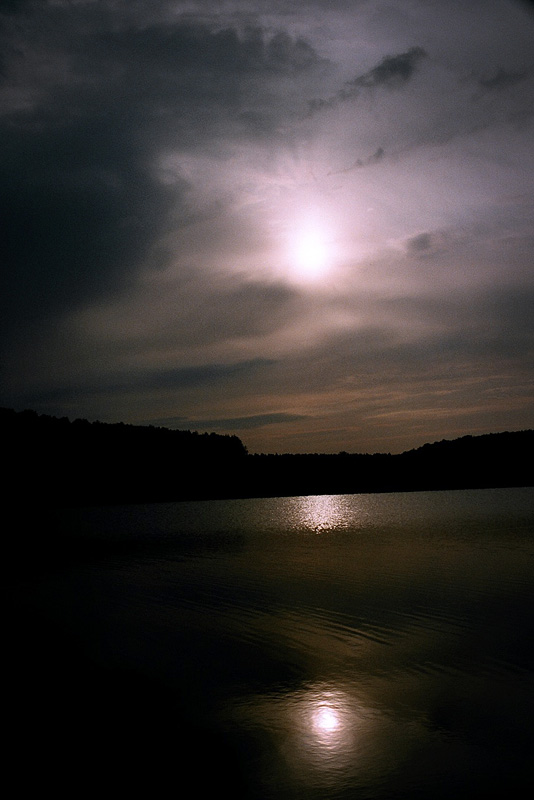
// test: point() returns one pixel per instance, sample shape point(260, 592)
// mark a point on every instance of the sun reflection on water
point(321, 513)
point(322, 735)
point(328, 720)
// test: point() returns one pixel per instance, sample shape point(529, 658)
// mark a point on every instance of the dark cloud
point(242, 311)
point(196, 313)
point(186, 377)
point(528, 4)
point(216, 376)
point(502, 79)
point(80, 214)
point(476, 336)
point(511, 323)
point(420, 243)
point(174, 422)
point(195, 48)
point(246, 423)
point(432, 243)
point(82, 207)
point(375, 158)
point(14, 6)
point(392, 72)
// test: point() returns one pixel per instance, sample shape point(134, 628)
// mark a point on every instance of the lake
point(342, 646)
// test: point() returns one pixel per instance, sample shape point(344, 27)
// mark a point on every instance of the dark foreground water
point(354, 646)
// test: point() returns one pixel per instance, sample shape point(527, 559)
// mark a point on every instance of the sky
point(310, 224)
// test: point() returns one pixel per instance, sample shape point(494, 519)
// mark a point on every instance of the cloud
point(160, 172)
point(92, 100)
point(420, 243)
point(79, 221)
point(246, 423)
point(217, 376)
point(392, 72)
point(195, 311)
point(14, 6)
point(226, 423)
point(502, 79)
point(375, 158)
point(194, 46)
point(186, 377)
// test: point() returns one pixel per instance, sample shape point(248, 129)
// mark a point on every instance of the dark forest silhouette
point(69, 463)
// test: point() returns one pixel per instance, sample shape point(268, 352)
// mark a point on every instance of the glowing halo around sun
point(310, 251)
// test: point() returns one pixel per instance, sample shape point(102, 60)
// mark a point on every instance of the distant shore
point(80, 463)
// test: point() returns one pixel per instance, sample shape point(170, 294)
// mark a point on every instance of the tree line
point(81, 462)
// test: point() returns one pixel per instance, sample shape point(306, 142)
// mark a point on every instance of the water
point(354, 646)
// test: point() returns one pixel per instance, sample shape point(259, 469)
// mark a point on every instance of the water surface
point(353, 646)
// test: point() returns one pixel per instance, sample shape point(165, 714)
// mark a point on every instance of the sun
point(311, 254)
point(308, 244)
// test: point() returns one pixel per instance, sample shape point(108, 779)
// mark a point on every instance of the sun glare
point(310, 248)
point(311, 254)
